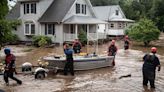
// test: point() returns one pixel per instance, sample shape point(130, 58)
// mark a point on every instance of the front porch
point(71, 32)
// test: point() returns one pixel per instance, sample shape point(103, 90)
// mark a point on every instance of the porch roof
point(121, 20)
point(83, 20)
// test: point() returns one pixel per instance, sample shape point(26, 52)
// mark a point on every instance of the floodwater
point(99, 80)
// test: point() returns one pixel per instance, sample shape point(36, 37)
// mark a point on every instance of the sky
point(11, 3)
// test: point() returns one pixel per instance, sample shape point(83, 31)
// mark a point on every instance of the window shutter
point(53, 29)
point(24, 8)
point(45, 29)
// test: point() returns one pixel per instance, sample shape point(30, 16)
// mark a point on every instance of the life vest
point(9, 58)
point(126, 43)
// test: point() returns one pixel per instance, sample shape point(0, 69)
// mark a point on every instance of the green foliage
point(6, 35)
point(104, 2)
point(41, 41)
point(82, 37)
point(143, 31)
point(3, 9)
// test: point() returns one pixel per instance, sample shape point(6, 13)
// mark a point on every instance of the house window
point(119, 25)
point(49, 29)
point(29, 29)
point(83, 9)
point(117, 12)
point(29, 8)
point(77, 8)
point(111, 25)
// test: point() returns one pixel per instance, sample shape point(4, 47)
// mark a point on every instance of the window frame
point(50, 29)
point(78, 8)
point(30, 8)
point(29, 31)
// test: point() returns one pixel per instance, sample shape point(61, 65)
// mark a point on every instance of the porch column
point(87, 36)
point(76, 34)
point(97, 38)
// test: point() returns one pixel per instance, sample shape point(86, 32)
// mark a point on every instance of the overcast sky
point(11, 3)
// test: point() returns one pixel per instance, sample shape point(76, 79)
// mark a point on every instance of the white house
point(62, 20)
point(117, 21)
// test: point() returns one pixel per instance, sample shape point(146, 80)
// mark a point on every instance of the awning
point(121, 20)
point(83, 20)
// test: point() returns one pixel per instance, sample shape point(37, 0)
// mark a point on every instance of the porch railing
point(92, 36)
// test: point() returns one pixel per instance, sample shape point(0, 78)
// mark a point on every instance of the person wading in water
point(77, 46)
point(112, 50)
point(10, 67)
point(69, 60)
point(126, 43)
point(151, 61)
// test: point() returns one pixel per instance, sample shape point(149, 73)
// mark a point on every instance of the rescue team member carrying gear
point(126, 43)
point(112, 50)
point(10, 67)
point(69, 60)
point(77, 46)
point(151, 61)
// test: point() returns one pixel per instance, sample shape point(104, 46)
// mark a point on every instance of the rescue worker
point(151, 61)
point(77, 46)
point(112, 50)
point(69, 60)
point(10, 67)
point(126, 43)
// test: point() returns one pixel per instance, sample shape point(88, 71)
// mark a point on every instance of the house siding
point(72, 11)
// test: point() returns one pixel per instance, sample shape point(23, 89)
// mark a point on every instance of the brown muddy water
point(99, 80)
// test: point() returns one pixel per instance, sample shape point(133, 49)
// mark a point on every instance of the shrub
point(82, 37)
point(40, 41)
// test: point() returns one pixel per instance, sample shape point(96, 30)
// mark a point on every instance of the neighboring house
point(62, 20)
point(117, 21)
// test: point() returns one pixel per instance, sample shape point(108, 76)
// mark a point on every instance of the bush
point(82, 37)
point(144, 31)
point(41, 41)
point(12, 39)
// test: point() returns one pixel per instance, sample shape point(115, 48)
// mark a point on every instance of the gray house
point(117, 21)
point(62, 20)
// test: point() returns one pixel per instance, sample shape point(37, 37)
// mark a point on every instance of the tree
point(143, 31)
point(5, 25)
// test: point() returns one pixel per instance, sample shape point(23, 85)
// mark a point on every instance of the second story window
point(117, 12)
point(81, 9)
point(77, 8)
point(29, 8)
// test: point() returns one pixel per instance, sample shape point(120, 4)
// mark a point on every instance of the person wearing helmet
point(126, 43)
point(10, 67)
point(151, 61)
point(112, 50)
point(77, 46)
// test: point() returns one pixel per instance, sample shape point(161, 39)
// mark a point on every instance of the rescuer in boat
point(69, 59)
point(77, 46)
point(10, 67)
point(126, 43)
point(112, 50)
point(151, 61)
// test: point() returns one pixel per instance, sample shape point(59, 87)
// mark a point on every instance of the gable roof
point(14, 13)
point(106, 12)
point(57, 11)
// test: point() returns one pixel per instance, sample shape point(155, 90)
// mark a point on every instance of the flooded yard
point(128, 63)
